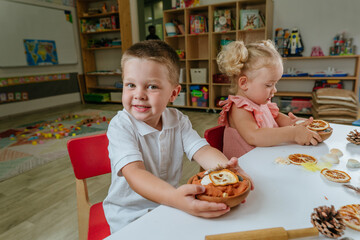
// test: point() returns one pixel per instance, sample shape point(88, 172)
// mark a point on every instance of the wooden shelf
point(103, 74)
point(104, 48)
point(352, 78)
point(93, 77)
point(224, 32)
point(321, 57)
point(201, 49)
point(98, 15)
point(293, 94)
point(252, 30)
point(102, 31)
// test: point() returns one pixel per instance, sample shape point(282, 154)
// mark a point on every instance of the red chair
point(215, 136)
point(89, 157)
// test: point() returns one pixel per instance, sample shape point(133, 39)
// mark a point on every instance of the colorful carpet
point(33, 144)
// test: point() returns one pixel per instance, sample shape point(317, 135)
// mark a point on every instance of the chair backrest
point(215, 137)
point(89, 155)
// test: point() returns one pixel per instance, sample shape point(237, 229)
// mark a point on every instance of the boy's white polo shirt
point(161, 152)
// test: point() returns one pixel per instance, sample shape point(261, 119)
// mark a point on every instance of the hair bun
point(232, 58)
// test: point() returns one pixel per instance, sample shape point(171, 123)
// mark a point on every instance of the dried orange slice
point(351, 215)
point(318, 125)
point(223, 177)
point(335, 175)
point(299, 158)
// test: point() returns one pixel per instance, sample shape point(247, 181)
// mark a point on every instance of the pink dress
point(264, 115)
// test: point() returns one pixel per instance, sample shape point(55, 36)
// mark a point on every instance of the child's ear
point(175, 93)
point(242, 82)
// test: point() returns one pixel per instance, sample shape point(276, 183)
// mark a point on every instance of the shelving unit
point(201, 49)
point(304, 85)
point(99, 80)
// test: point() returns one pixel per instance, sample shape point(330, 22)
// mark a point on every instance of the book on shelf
point(198, 24)
point(222, 20)
point(249, 19)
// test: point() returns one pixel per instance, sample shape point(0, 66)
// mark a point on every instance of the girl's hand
point(184, 199)
point(304, 136)
point(294, 120)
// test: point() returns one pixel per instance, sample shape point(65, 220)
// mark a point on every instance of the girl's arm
point(244, 122)
point(157, 190)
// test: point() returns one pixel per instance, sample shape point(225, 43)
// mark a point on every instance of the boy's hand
point(233, 163)
point(184, 199)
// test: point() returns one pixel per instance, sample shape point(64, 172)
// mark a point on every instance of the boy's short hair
point(158, 51)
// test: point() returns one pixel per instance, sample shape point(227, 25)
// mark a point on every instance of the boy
point(147, 141)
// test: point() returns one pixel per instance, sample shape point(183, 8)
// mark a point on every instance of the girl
point(250, 118)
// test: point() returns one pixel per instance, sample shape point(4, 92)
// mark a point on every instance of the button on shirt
point(161, 152)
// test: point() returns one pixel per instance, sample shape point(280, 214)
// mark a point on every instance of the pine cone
point(354, 137)
point(328, 221)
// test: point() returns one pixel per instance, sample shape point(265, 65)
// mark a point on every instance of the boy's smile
point(147, 90)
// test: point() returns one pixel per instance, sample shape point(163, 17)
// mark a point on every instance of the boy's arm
point(155, 189)
point(244, 122)
point(209, 158)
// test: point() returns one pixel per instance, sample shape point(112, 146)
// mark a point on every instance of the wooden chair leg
point(83, 206)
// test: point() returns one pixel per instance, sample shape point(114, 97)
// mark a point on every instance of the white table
point(284, 196)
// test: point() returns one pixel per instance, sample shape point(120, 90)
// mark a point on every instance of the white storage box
point(116, 96)
point(180, 100)
point(198, 75)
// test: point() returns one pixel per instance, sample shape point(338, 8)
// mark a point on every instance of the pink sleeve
point(239, 102)
point(226, 106)
point(273, 109)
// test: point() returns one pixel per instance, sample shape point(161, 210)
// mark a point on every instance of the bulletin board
point(34, 35)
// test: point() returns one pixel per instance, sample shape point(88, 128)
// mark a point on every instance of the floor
point(41, 203)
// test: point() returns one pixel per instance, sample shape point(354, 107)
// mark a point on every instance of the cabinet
point(201, 49)
point(105, 32)
point(302, 87)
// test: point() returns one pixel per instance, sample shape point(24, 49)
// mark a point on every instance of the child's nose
point(140, 93)
point(274, 89)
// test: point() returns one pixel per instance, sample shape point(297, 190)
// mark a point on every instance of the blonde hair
point(158, 51)
point(237, 59)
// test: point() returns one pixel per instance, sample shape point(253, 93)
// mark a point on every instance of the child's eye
point(153, 87)
point(130, 85)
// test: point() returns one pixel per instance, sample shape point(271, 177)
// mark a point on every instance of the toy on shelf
point(281, 41)
point(220, 78)
point(342, 46)
point(180, 53)
point(199, 96)
point(316, 51)
point(291, 72)
point(328, 84)
point(219, 99)
point(295, 44)
point(330, 72)
point(295, 105)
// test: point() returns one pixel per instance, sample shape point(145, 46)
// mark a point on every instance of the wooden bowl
point(231, 201)
point(325, 134)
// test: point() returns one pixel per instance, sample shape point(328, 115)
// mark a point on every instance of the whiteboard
point(21, 21)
